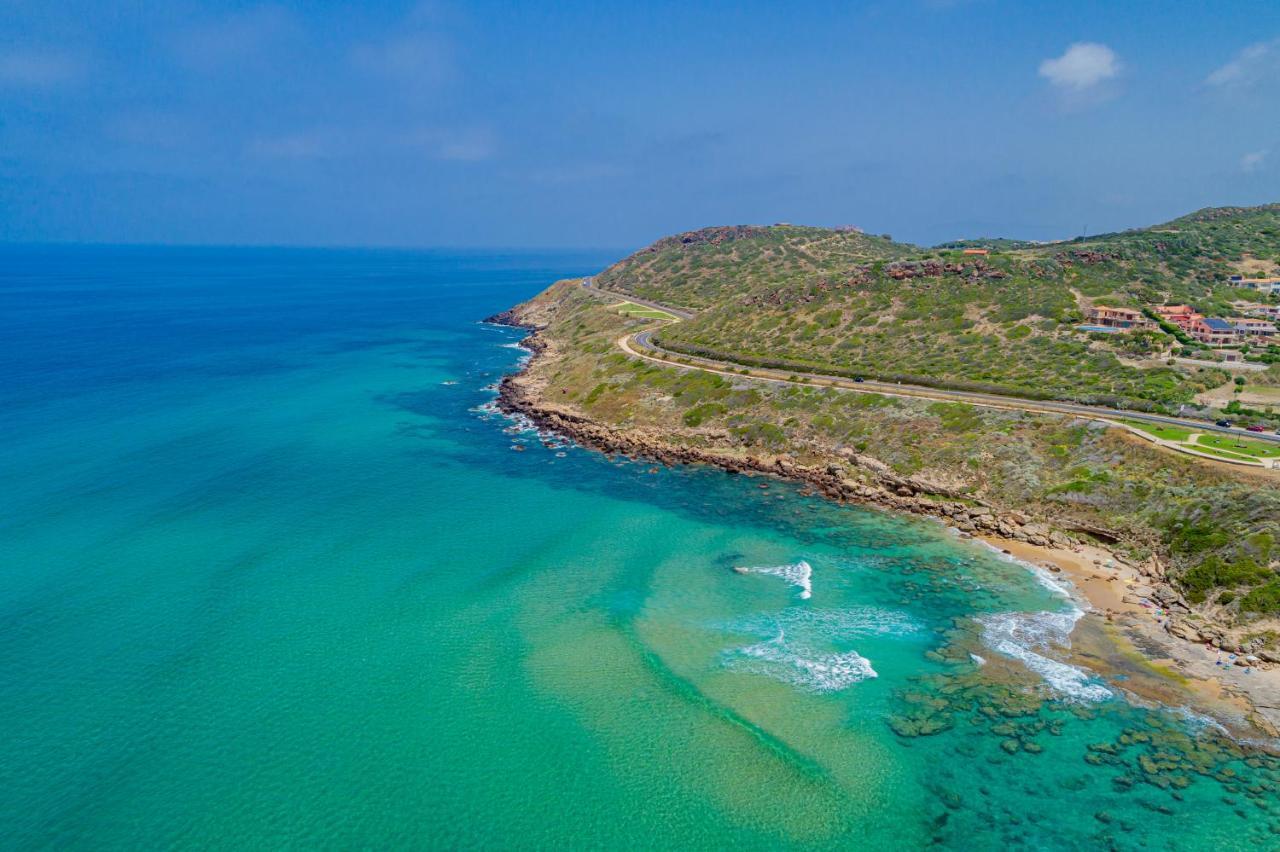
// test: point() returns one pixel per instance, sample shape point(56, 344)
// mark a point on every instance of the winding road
point(641, 345)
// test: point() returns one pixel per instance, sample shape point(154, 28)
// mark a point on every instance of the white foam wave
point(801, 667)
point(799, 574)
point(829, 624)
point(1044, 577)
point(519, 424)
point(1020, 634)
point(526, 354)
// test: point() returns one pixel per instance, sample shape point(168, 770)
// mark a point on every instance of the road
point(677, 312)
point(642, 345)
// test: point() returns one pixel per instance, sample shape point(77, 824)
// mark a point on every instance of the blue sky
point(608, 124)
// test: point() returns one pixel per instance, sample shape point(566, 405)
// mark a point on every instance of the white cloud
point(1249, 66)
point(1253, 161)
point(303, 145)
point(466, 145)
point(421, 57)
point(37, 69)
point(460, 144)
point(580, 173)
point(1082, 67)
point(230, 40)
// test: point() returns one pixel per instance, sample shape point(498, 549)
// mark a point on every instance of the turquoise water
point(273, 576)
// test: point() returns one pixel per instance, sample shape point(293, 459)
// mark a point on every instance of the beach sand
point(1126, 642)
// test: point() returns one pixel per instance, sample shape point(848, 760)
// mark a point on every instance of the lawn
point(631, 309)
point(1211, 451)
point(1241, 446)
point(1167, 433)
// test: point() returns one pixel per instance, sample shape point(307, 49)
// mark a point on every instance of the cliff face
point(1036, 478)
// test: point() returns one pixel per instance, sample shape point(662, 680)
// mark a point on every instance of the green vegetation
point(1239, 446)
point(846, 303)
point(1213, 573)
point(1214, 451)
point(1167, 433)
point(1263, 600)
point(631, 309)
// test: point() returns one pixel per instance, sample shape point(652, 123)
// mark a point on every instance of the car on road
point(1226, 424)
point(1255, 429)
point(858, 379)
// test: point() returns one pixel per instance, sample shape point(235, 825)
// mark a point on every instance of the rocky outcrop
point(513, 318)
point(847, 477)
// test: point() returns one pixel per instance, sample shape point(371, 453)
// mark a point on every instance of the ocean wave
point(520, 425)
point(802, 667)
point(829, 625)
point(1019, 634)
point(799, 574)
point(1046, 579)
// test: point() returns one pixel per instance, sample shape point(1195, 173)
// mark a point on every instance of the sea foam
point(792, 638)
point(1021, 635)
point(802, 667)
point(799, 574)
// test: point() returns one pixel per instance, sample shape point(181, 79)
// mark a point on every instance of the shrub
point(1265, 599)
point(1213, 573)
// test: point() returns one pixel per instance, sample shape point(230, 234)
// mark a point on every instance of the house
point(1117, 317)
point(982, 252)
point(1253, 326)
point(1258, 309)
point(1213, 331)
point(1180, 315)
point(1265, 286)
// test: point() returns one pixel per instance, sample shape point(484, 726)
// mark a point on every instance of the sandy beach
point(1123, 637)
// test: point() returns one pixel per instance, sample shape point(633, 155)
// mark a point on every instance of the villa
point(1258, 309)
point(1252, 326)
point(1213, 331)
point(1265, 286)
point(1180, 315)
point(1117, 317)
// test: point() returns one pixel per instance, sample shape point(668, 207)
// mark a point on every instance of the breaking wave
point(802, 667)
point(1021, 634)
point(796, 645)
point(799, 574)
point(829, 624)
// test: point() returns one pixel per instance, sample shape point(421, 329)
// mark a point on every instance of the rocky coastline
point(853, 478)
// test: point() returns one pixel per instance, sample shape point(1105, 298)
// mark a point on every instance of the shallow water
point(273, 575)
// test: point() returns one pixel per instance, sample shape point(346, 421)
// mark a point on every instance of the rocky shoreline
point(858, 479)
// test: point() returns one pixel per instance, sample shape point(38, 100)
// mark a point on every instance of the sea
point(275, 572)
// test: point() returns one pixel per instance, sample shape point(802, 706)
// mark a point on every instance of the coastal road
point(589, 286)
point(641, 345)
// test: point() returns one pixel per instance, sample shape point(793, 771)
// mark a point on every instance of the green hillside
point(848, 303)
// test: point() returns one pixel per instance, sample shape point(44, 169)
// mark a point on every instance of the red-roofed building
point(1117, 317)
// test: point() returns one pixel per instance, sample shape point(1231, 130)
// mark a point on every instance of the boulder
point(1183, 630)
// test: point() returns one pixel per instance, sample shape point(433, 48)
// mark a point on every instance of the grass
point(1167, 433)
point(631, 309)
point(1241, 446)
point(1212, 451)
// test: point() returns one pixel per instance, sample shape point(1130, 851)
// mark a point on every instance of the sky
point(610, 124)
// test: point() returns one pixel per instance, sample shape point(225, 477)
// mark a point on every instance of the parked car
point(1226, 424)
point(857, 378)
point(1255, 428)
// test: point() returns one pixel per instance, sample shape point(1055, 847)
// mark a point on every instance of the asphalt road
point(1096, 412)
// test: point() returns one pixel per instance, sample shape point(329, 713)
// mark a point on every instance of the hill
point(848, 303)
